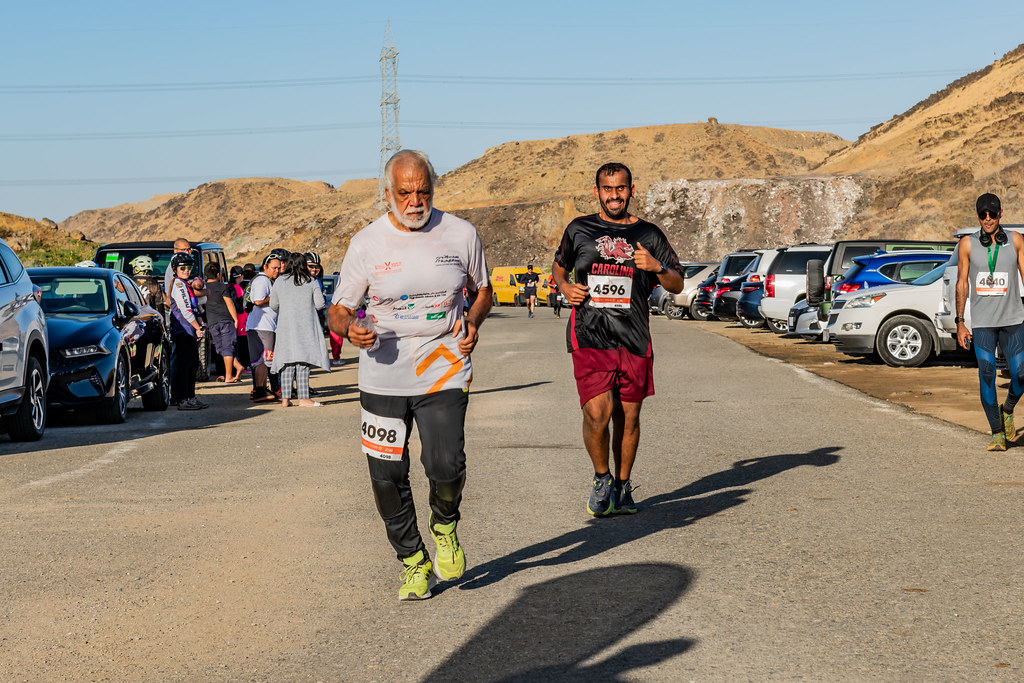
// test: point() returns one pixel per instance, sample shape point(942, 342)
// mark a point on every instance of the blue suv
point(887, 268)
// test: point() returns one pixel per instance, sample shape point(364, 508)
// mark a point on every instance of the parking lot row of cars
point(891, 300)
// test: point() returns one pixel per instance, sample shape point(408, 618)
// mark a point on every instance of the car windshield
point(66, 294)
point(122, 260)
point(931, 276)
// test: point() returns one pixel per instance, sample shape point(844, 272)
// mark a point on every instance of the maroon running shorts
point(601, 370)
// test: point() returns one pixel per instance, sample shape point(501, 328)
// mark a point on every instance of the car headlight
point(83, 351)
point(865, 300)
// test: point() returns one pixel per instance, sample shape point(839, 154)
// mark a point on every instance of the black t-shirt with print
point(529, 281)
point(601, 256)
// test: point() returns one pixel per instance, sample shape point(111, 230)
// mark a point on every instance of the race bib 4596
point(610, 291)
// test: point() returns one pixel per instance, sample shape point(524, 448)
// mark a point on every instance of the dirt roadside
point(946, 388)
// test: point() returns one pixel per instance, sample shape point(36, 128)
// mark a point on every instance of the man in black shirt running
point(529, 281)
point(617, 259)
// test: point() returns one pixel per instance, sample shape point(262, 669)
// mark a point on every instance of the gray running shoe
point(200, 402)
point(189, 404)
point(601, 501)
point(624, 503)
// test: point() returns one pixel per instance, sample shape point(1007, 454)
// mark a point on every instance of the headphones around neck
point(999, 237)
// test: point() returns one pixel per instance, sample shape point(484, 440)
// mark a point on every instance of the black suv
point(119, 255)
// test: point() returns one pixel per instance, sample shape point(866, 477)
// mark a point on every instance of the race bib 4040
point(610, 291)
point(382, 437)
point(991, 284)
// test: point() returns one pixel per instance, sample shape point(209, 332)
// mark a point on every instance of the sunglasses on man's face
point(982, 215)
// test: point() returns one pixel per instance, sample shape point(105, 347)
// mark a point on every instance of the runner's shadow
point(552, 628)
point(673, 510)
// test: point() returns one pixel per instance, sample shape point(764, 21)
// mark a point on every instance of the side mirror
point(815, 282)
point(128, 311)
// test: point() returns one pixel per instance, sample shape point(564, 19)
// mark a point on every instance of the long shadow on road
point(673, 510)
point(552, 629)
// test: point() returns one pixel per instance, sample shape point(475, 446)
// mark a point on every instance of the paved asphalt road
point(789, 528)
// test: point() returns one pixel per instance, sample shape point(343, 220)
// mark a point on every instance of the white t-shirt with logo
point(261, 317)
point(414, 281)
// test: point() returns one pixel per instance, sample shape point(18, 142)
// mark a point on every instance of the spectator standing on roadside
point(237, 290)
point(297, 298)
point(413, 262)
point(529, 280)
point(617, 259)
point(989, 263)
point(261, 327)
point(186, 329)
point(222, 322)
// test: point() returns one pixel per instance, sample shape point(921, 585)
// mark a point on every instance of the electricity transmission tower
point(389, 139)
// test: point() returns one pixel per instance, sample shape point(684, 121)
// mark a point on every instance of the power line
point(326, 127)
point(72, 89)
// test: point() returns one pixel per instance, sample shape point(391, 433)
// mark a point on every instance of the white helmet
point(85, 264)
point(143, 265)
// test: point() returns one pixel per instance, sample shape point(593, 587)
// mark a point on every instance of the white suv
point(24, 368)
point(785, 283)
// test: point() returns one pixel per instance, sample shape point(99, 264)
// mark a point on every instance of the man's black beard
point(621, 213)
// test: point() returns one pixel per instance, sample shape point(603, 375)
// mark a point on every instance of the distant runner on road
point(529, 281)
point(413, 263)
point(989, 263)
point(617, 260)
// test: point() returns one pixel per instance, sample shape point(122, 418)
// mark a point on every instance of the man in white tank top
point(989, 265)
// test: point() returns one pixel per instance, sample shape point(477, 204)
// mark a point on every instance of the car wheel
point(114, 410)
point(697, 314)
point(750, 323)
point(777, 326)
point(903, 341)
point(28, 423)
point(203, 370)
point(159, 397)
point(673, 312)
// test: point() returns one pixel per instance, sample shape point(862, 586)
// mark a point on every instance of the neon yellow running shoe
point(450, 560)
point(998, 442)
point(418, 576)
point(1009, 431)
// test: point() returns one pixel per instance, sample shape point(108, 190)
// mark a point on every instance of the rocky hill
point(713, 187)
point(43, 243)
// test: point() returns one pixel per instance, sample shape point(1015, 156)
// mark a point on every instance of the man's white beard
point(411, 222)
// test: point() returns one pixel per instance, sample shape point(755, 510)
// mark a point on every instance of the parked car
point(700, 307)
point(747, 311)
point(119, 255)
point(898, 267)
point(24, 353)
point(735, 264)
point(727, 291)
point(823, 276)
point(896, 322)
point(330, 284)
point(785, 283)
point(675, 306)
point(106, 345)
point(803, 321)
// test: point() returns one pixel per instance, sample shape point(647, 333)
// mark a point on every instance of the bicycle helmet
point(142, 265)
point(312, 258)
point(182, 260)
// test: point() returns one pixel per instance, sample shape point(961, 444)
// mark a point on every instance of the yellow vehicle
point(508, 290)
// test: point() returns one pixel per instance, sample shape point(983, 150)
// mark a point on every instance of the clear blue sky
point(104, 102)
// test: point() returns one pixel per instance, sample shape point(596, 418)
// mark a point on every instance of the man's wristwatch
point(660, 263)
point(958, 319)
